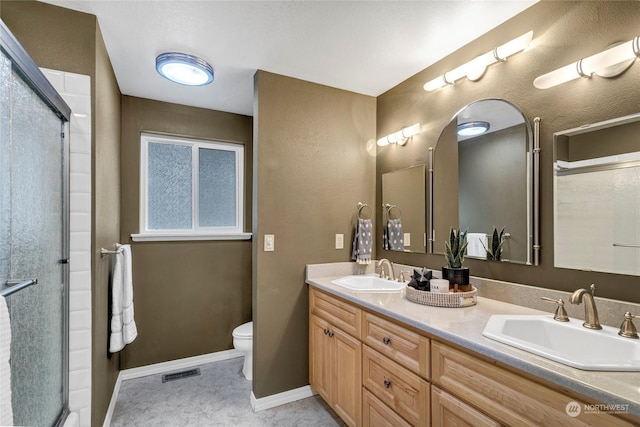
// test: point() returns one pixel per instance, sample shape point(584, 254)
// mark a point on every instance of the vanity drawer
point(447, 410)
point(339, 313)
point(401, 390)
point(377, 414)
point(408, 348)
point(506, 396)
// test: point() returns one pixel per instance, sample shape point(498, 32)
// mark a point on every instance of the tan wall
point(106, 223)
point(314, 160)
point(563, 32)
point(70, 41)
point(189, 296)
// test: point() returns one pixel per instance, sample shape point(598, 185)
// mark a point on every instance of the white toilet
point(243, 341)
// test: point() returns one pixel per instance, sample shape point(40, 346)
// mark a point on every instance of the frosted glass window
point(217, 188)
point(190, 187)
point(169, 191)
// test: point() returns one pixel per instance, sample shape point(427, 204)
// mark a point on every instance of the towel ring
point(361, 206)
point(388, 207)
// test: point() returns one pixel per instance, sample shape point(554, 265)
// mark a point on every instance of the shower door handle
point(14, 286)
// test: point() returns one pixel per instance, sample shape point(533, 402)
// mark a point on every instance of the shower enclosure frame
point(31, 74)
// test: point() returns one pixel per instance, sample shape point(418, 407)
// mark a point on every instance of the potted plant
point(454, 251)
point(494, 253)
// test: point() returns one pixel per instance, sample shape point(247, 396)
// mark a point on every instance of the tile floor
point(218, 397)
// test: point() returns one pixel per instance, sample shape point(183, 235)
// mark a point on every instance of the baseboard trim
point(280, 398)
point(159, 368)
point(174, 365)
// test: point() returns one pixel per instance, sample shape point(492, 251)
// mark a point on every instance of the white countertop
point(464, 326)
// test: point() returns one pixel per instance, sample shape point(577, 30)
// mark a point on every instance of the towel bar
point(104, 252)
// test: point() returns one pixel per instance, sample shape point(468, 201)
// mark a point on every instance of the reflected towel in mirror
point(477, 245)
point(392, 235)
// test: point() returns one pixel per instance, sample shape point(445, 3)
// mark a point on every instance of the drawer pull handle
point(330, 334)
point(386, 340)
point(387, 384)
point(326, 331)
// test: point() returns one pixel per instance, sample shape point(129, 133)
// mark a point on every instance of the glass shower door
point(33, 245)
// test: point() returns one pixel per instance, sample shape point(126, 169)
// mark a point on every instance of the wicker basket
point(449, 299)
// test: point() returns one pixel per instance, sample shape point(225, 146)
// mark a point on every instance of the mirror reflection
point(596, 177)
point(482, 175)
point(403, 210)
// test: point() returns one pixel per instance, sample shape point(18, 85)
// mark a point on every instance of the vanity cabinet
point(375, 371)
point(335, 355)
point(505, 396)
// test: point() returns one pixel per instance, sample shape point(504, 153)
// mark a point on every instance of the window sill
point(172, 237)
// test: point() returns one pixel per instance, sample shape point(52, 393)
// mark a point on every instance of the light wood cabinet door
point(449, 411)
point(377, 414)
point(406, 347)
point(506, 396)
point(400, 389)
point(335, 369)
point(320, 357)
point(347, 377)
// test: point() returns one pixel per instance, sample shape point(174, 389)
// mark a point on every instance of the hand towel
point(395, 236)
point(477, 245)
point(362, 242)
point(6, 411)
point(123, 325)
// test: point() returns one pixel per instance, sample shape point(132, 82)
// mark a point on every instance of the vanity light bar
point(475, 69)
point(608, 63)
point(400, 137)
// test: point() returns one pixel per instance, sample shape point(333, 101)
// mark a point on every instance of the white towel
point(123, 325)
point(6, 411)
point(477, 245)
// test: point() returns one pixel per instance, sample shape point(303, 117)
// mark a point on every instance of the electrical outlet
point(339, 241)
point(269, 242)
point(407, 239)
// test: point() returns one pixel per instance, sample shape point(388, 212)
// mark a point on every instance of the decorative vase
point(456, 276)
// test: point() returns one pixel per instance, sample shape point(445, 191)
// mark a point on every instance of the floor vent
point(179, 375)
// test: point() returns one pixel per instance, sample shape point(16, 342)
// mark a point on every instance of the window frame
point(196, 232)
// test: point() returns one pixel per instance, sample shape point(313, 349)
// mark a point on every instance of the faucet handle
point(561, 314)
point(628, 329)
point(593, 289)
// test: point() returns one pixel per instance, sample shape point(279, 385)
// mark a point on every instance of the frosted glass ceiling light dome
point(184, 69)
point(472, 128)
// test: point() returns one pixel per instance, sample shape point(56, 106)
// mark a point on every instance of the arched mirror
point(484, 175)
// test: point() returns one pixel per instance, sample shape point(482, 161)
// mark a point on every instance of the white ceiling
point(366, 47)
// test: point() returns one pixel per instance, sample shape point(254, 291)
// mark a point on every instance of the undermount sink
point(568, 343)
point(369, 283)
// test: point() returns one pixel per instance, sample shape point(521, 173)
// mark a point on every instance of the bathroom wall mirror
point(596, 177)
point(403, 210)
point(484, 174)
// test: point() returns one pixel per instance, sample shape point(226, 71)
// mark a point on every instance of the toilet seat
point(244, 331)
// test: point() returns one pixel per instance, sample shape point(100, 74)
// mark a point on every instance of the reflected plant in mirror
point(482, 174)
point(596, 176)
point(403, 210)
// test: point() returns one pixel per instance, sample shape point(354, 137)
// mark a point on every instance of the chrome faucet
point(591, 320)
point(389, 265)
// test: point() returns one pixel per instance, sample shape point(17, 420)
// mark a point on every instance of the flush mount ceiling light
point(472, 128)
point(401, 137)
point(475, 69)
point(184, 69)
point(608, 63)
